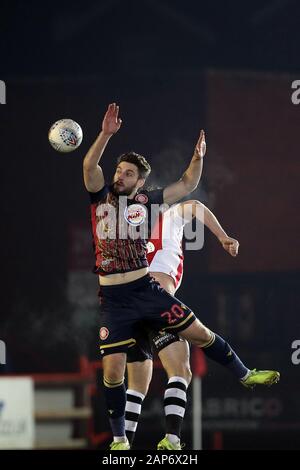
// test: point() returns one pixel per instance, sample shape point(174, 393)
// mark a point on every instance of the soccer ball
point(65, 135)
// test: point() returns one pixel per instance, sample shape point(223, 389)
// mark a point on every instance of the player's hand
point(200, 148)
point(230, 245)
point(111, 122)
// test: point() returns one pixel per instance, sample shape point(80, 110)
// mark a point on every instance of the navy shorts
point(125, 307)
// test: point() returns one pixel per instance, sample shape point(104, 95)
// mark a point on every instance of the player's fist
point(230, 245)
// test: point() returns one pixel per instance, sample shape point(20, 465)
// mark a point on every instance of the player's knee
point(203, 335)
point(197, 334)
point(206, 334)
point(188, 375)
point(113, 378)
point(113, 369)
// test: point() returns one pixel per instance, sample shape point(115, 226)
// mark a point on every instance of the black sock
point(220, 351)
point(115, 396)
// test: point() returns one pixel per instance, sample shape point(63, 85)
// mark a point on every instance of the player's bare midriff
point(122, 278)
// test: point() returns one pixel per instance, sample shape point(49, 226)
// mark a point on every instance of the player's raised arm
point(92, 172)
point(190, 209)
point(191, 177)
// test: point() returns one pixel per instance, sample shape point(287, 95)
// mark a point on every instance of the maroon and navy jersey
point(121, 228)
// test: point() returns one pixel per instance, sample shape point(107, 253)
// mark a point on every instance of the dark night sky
point(118, 37)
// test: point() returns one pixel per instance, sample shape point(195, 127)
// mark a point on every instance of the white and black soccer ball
point(65, 135)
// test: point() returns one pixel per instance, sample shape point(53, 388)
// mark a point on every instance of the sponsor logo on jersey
point(135, 214)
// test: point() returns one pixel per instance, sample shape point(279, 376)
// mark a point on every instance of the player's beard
point(120, 190)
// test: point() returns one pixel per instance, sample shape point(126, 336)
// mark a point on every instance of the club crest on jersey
point(142, 198)
point(103, 333)
point(150, 247)
point(135, 214)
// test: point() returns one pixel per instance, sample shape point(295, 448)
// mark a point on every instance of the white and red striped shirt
point(165, 253)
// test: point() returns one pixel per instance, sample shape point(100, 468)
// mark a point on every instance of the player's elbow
point(88, 167)
point(190, 186)
point(93, 177)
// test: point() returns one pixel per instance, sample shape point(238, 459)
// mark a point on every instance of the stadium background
point(173, 68)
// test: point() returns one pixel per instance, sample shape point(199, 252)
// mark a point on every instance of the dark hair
point(139, 161)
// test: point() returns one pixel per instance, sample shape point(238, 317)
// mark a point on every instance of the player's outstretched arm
point(191, 177)
point(92, 172)
point(190, 209)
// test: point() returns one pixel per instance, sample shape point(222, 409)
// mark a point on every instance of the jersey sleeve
point(156, 196)
point(96, 197)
